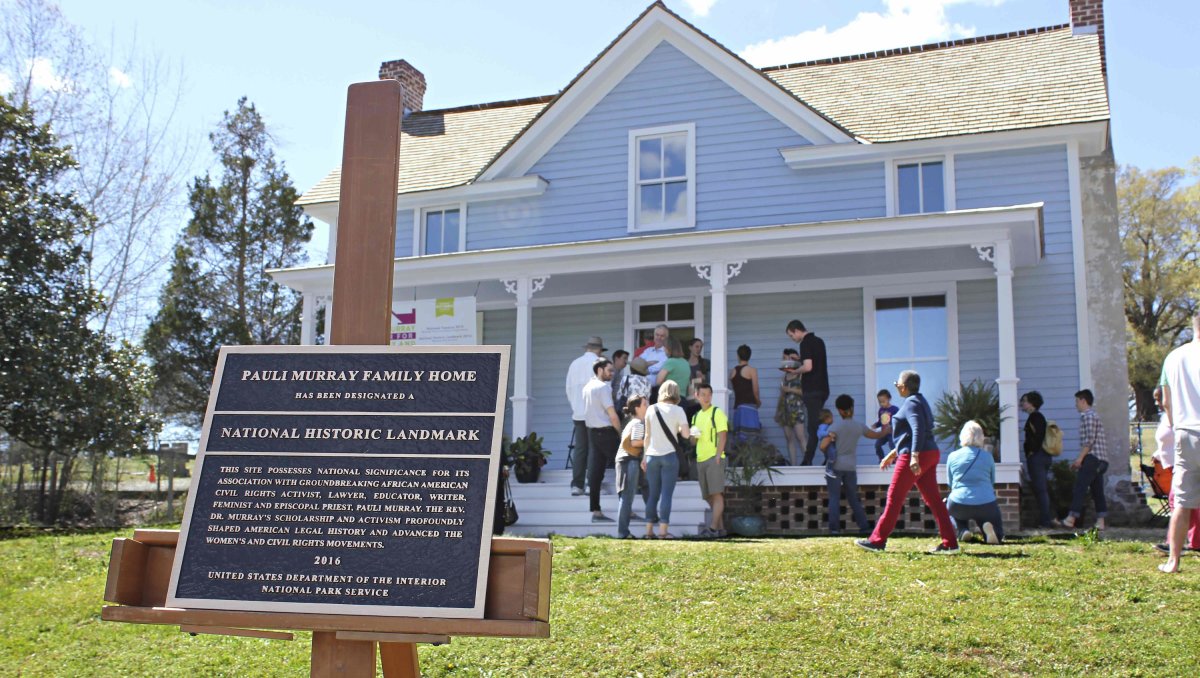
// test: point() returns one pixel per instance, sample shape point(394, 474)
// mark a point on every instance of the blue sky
point(295, 59)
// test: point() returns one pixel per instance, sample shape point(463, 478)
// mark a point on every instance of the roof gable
point(655, 26)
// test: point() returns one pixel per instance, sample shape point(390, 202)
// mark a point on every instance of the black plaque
point(345, 479)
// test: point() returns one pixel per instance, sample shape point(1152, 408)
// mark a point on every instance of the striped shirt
point(1091, 434)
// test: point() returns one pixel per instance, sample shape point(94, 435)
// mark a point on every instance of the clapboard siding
point(500, 329)
point(1043, 295)
point(978, 331)
point(741, 180)
point(404, 233)
point(834, 315)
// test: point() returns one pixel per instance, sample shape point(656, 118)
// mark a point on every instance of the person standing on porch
point(915, 456)
point(814, 370)
point(666, 425)
point(746, 401)
point(578, 375)
point(620, 359)
point(1091, 463)
point(604, 432)
point(790, 412)
point(1180, 383)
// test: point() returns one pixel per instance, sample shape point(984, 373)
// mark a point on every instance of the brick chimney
point(412, 80)
point(1087, 17)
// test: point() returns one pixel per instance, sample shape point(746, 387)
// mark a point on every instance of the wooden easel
point(518, 586)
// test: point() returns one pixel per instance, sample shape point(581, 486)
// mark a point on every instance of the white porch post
point(308, 318)
point(718, 274)
point(328, 315)
point(1002, 260)
point(524, 288)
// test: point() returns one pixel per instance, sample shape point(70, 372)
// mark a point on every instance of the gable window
point(920, 187)
point(441, 230)
point(662, 178)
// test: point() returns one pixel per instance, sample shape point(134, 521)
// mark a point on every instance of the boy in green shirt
point(710, 430)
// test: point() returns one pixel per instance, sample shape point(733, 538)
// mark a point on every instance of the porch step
point(547, 507)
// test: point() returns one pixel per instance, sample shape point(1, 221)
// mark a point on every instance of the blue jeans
point(883, 446)
point(661, 474)
point(1089, 478)
point(1038, 465)
point(834, 482)
point(629, 470)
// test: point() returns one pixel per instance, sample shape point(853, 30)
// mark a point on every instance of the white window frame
point(419, 226)
point(689, 220)
point(949, 288)
point(892, 182)
point(632, 325)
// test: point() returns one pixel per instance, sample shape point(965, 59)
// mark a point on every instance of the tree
point(115, 111)
point(243, 223)
point(1159, 222)
point(66, 390)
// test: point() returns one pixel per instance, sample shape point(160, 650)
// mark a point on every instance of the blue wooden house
point(948, 207)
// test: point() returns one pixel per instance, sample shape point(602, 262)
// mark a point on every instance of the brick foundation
point(798, 510)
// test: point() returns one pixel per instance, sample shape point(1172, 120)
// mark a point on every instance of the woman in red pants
point(916, 457)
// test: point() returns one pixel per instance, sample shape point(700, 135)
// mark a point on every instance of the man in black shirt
point(814, 369)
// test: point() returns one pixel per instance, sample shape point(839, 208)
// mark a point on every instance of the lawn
point(770, 607)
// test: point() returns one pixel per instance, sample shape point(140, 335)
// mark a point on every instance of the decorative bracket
point(513, 285)
point(730, 269)
point(986, 252)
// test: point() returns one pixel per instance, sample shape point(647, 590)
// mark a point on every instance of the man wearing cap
point(578, 375)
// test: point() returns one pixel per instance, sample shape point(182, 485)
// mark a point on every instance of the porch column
point(328, 315)
point(308, 318)
point(718, 274)
point(1007, 382)
point(524, 288)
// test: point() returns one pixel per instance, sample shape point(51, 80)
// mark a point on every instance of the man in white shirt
point(578, 375)
point(656, 355)
point(604, 432)
point(1180, 383)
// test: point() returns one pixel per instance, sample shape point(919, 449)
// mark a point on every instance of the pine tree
point(243, 222)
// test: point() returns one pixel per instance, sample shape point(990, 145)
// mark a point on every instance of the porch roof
point(1020, 225)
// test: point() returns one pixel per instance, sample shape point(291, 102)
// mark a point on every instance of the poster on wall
point(449, 321)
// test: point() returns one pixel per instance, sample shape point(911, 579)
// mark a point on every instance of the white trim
point(481, 191)
point(1079, 264)
point(1021, 224)
point(1091, 137)
point(419, 215)
point(914, 286)
point(597, 80)
point(627, 329)
point(633, 183)
point(949, 186)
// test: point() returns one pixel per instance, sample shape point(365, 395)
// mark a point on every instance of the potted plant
point(527, 457)
point(751, 461)
point(977, 401)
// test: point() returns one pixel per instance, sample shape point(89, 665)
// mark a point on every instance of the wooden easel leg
point(399, 660)
point(341, 658)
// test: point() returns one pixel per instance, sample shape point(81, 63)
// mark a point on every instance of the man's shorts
point(712, 476)
point(1185, 479)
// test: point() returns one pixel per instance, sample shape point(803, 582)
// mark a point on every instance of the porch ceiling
point(822, 250)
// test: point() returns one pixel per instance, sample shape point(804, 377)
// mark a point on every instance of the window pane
point(933, 380)
point(650, 158)
point(676, 206)
point(684, 310)
point(650, 199)
point(908, 189)
point(652, 313)
point(450, 229)
point(892, 328)
point(929, 326)
point(675, 155)
point(931, 184)
point(433, 233)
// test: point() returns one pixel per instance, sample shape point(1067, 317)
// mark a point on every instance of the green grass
point(732, 608)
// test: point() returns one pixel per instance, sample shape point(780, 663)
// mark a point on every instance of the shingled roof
point(1023, 80)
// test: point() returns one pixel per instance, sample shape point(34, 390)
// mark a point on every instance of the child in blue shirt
point(886, 411)
point(826, 419)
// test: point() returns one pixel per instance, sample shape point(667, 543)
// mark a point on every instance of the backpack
point(1053, 442)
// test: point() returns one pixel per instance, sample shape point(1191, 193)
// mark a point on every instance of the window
point(912, 332)
point(442, 231)
point(920, 187)
point(662, 187)
point(679, 316)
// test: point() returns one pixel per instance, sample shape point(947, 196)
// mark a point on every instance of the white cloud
point(699, 8)
point(41, 74)
point(6, 84)
point(119, 78)
point(903, 23)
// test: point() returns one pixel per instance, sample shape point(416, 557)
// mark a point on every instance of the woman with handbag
point(666, 429)
point(629, 461)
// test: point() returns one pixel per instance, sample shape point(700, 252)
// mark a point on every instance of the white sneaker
point(576, 491)
point(989, 533)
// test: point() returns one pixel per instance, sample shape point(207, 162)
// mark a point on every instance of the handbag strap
point(973, 460)
point(666, 429)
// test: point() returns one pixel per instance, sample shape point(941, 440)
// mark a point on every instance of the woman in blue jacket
point(971, 471)
point(915, 456)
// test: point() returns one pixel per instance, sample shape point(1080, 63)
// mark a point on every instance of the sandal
point(666, 535)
